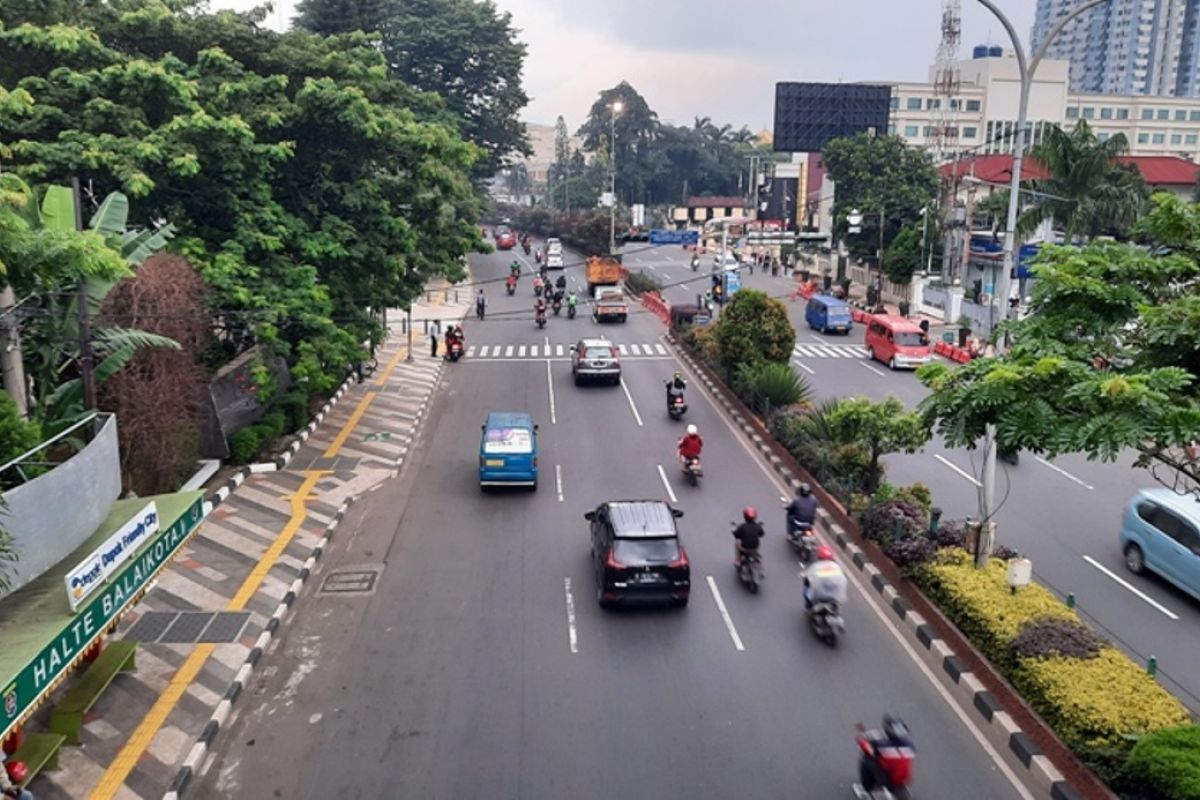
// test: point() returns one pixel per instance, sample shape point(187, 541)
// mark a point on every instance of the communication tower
point(947, 82)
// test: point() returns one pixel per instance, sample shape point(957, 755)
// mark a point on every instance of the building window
point(932, 102)
point(1176, 138)
point(1072, 112)
point(1189, 139)
point(969, 133)
point(1143, 138)
point(1089, 112)
point(1180, 115)
point(1147, 113)
point(1103, 136)
point(894, 103)
point(1158, 138)
point(954, 104)
point(891, 129)
point(930, 131)
point(1122, 113)
point(1194, 116)
point(910, 131)
point(1106, 113)
point(972, 105)
point(990, 142)
point(914, 104)
point(1164, 113)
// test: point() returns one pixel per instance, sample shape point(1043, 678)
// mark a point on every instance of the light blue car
point(1160, 532)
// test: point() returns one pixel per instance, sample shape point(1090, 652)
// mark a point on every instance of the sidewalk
point(248, 559)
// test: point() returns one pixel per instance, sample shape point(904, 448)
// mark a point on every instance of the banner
point(87, 576)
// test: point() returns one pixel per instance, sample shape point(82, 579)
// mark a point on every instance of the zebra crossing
point(807, 350)
point(553, 351)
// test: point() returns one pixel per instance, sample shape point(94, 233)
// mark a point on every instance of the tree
point(754, 328)
point(560, 169)
point(904, 255)
point(1102, 364)
point(878, 174)
point(464, 50)
point(879, 429)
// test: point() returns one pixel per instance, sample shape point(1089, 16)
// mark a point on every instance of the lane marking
point(533, 351)
point(114, 777)
point(558, 481)
point(483, 351)
point(1064, 473)
point(670, 492)
point(803, 366)
point(558, 350)
point(662, 351)
point(521, 351)
point(856, 579)
point(955, 467)
point(571, 635)
point(636, 349)
point(621, 349)
point(508, 351)
point(1131, 587)
point(820, 339)
point(632, 407)
point(471, 351)
point(550, 386)
point(733, 634)
point(865, 365)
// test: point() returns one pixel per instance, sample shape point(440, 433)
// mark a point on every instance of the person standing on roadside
point(433, 342)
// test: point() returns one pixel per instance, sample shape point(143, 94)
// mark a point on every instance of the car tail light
point(611, 562)
point(681, 562)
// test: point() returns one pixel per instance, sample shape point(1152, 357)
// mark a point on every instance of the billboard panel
point(808, 115)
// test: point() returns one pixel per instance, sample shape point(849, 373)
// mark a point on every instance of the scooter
point(540, 319)
point(570, 311)
point(886, 772)
point(455, 350)
point(750, 571)
point(537, 288)
point(692, 470)
point(526, 248)
point(556, 304)
point(825, 621)
point(801, 537)
point(511, 287)
point(676, 407)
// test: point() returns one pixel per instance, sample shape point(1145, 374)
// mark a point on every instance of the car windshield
point(508, 440)
point(911, 339)
point(640, 552)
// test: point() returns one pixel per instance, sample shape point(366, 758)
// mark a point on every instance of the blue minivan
point(1161, 532)
point(828, 314)
point(508, 451)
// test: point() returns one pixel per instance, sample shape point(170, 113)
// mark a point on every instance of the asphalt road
point(1064, 514)
point(481, 665)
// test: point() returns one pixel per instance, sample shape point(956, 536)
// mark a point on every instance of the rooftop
point(997, 168)
point(716, 202)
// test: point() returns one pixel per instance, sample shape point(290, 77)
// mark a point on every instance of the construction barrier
point(657, 306)
point(952, 352)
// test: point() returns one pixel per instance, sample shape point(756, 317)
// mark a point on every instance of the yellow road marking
point(391, 365)
point(348, 428)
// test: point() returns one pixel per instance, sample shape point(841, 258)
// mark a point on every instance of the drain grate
point(226, 627)
point(351, 580)
point(189, 627)
point(151, 625)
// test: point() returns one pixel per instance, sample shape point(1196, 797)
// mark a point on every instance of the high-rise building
point(1127, 47)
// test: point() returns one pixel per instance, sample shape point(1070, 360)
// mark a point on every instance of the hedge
point(1098, 706)
point(1165, 765)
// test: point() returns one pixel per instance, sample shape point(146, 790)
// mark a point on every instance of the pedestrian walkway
point(829, 351)
point(244, 559)
point(558, 352)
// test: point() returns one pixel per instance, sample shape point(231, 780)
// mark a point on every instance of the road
point(1064, 514)
point(481, 665)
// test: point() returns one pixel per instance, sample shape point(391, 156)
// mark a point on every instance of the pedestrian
point(433, 343)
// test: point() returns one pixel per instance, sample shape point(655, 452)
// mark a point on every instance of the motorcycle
point(570, 311)
point(526, 248)
point(540, 319)
point(801, 537)
point(511, 287)
point(537, 288)
point(886, 772)
point(539, 256)
point(676, 407)
point(691, 469)
point(556, 305)
point(695, 263)
point(825, 621)
point(454, 350)
point(750, 571)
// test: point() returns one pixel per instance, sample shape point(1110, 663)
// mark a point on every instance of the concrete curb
point(195, 758)
point(1019, 751)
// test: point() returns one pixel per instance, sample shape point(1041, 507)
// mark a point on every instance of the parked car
point(636, 553)
point(825, 314)
point(508, 451)
point(897, 342)
point(1160, 532)
point(595, 359)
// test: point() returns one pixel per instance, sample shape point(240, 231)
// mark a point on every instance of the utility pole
point(10, 350)
point(612, 171)
point(86, 362)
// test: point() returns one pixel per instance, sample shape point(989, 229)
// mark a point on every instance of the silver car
point(595, 359)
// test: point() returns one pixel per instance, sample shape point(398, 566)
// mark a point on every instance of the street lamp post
point(616, 107)
point(1026, 69)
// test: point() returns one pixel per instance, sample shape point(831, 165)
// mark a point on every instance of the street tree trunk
point(10, 351)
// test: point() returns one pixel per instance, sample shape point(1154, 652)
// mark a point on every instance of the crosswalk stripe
point(558, 350)
point(508, 351)
point(621, 349)
point(470, 351)
point(483, 351)
point(533, 351)
point(521, 351)
point(637, 351)
point(662, 351)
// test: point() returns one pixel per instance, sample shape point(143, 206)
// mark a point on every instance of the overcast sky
point(717, 58)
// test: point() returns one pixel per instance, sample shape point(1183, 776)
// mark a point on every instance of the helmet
point(805, 490)
point(749, 513)
point(692, 430)
point(894, 728)
point(17, 771)
point(824, 553)
point(676, 375)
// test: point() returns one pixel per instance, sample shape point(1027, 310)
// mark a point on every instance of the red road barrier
point(947, 350)
point(657, 305)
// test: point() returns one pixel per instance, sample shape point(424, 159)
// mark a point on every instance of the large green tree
point(878, 175)
point(1106, 362)
point(463, 50)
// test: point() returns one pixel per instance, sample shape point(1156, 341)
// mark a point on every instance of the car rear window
point(596, 351)
point(640, 552)
point(912, 339)
point(508, 440)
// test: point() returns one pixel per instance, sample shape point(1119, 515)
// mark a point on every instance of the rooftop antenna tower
point(947, 81)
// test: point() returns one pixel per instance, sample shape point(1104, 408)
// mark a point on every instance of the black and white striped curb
point(1017, 748)
point(195, 759)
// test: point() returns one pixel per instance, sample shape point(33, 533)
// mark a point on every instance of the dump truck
point(610, 304)
point(602, 271)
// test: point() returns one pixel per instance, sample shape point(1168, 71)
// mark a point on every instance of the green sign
point(82, 629)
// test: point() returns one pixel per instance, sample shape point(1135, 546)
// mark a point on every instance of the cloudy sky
point(718, 58)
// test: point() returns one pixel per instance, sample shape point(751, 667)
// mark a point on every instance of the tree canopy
point(463, 50)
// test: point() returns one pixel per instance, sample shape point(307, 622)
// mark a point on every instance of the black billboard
point(807, 115)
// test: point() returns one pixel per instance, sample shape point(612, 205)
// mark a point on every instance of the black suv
point(636, 553)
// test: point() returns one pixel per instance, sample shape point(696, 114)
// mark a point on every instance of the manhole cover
point(351, 580)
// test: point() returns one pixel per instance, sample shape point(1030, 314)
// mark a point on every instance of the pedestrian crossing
point(548, 350)
point(829, 351)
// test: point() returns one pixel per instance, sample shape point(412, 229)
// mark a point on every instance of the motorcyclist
point(514, 268)
point(572, 300)
point(538, 285)
point(803, 509)
point(561, 283)
point(690, 445)
point(824, 581)
point(675, 387)
point(887, 758)
point(695, 262)
point(747, 535)
point(539, 308)
point(512, 283)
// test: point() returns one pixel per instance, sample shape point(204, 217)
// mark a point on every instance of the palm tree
point(1088, 193)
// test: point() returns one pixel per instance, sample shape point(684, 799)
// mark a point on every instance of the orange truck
point(602, 271)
